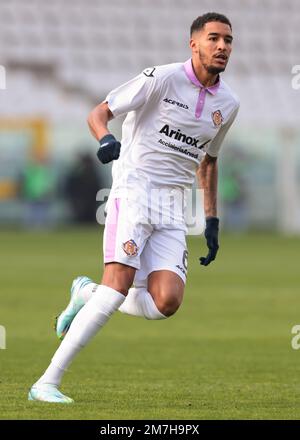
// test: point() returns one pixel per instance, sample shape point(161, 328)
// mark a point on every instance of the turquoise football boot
point(64, 320)
point(47, 393)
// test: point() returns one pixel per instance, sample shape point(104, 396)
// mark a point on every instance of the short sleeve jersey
point(171, 122)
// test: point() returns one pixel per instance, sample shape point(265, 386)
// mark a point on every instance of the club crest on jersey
point(130, 248)
point(217, 118)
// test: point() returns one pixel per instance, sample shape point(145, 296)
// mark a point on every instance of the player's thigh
point(164, 264)
point(165, 249)
point(124, 238)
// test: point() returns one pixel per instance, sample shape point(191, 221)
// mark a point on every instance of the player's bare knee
point(168, 305)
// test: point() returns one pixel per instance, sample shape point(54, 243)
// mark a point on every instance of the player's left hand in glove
point(109, 149)
point(211, 235)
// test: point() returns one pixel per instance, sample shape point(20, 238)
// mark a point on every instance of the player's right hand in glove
point(211, 235)
point(109, 149)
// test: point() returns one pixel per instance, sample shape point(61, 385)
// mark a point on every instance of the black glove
point(211, 235)
point(109, 149)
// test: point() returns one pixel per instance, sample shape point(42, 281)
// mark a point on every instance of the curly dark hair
point(201, 21)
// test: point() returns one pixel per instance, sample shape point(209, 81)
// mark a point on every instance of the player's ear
point(193, 45)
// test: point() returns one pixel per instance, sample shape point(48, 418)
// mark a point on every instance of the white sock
point(139, 302)
point(86, 292)
point(93, 315)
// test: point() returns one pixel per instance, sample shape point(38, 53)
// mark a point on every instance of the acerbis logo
point(176, 134)
point(179, 104)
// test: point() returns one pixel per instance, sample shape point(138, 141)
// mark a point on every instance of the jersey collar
point(188, 68)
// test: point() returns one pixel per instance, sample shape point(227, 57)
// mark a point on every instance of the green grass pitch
point(226, 354)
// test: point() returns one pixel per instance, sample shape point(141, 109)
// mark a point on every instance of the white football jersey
point(171, 122)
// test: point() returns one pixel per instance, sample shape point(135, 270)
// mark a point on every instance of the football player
point(177, 117)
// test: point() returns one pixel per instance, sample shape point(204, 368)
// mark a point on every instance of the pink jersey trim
point(188, 68)
point(111, 226)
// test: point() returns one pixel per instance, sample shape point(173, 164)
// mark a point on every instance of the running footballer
point(177, 117)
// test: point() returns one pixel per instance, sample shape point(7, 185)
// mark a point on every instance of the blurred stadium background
point(62, 57)
point(227, 353)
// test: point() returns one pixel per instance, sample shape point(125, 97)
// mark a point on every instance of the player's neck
point(205, 78)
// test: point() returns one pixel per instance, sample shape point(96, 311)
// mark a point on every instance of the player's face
point(213, 45)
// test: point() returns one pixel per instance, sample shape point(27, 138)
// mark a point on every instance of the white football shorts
point(130, 238)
